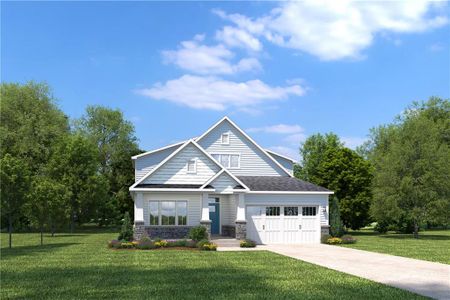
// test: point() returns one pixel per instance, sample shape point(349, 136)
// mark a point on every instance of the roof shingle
point(280, 183)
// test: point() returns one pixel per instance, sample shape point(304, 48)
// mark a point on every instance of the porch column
point(138, 215)
point(241, 223)
point(205, 221)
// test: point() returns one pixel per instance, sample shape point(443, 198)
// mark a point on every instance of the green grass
point(432, 245)
point(79, 266)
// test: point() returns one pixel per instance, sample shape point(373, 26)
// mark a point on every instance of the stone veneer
point(229, 230)
point(241, 230)
point(207, 224)
point(324, 229)
point(163, 232)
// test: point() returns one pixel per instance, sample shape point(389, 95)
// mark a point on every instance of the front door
point(214, 215)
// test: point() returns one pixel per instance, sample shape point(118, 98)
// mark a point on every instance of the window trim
point(176, 212)
point(229, 160)
point(227, 134)
point(195, 166)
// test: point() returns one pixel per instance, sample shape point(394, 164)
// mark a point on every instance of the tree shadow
point(16, 251)
point(180, 282)
point(402, 236)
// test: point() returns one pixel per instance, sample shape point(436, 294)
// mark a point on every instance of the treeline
point(400, 178)
point(57, 173)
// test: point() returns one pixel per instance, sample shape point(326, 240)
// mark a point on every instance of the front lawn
point(79, 266)
point(432, 245)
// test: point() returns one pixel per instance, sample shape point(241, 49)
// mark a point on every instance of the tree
point(312, 152)
point(126, 233)
point(75, 165)
point(350, 177)
point(326, 162)
point(336, 226)
point(412, 162)
point(31, 123)
point(15, 181)
point(115, 140)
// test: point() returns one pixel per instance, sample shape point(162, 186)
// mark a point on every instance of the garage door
point(283, 224)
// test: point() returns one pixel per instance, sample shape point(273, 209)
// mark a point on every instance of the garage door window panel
point(291, 211)
point(272, 211)
point(309, 211)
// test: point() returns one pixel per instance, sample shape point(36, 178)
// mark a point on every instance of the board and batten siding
point(294, 200)
point(253, 162)
point(228, 210)
point(224, 183)
point(146, 163)
point(194, 203)
point(174, 171)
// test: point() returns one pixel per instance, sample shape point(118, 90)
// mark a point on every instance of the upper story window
point(225, 138)
point(192, 166)
point(229, 161)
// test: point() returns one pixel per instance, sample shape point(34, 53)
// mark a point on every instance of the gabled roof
point(241, 186)
point(247, 137)
point(280, 155)
point(159, 149)
point(222, 169)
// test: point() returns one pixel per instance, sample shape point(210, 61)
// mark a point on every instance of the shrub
point(127, 245)
point(381, 227)
point(198, 233)
point(334, 241)
point(145, 244)
point(209, 247)
point(161, 244)
point(126, 233)
point(325, 238)
point(247, 244)
point(201, 243)
point(336, 226)
point(157, 239)
point(348, 239)
point(177, 243)
point(114, 244)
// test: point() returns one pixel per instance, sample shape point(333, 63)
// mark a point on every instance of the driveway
point(418, 276)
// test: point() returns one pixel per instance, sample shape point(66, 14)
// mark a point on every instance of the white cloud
point(353, 142)
point(287, 151)
point(333, 30)
point(236, 37)
point(279, 128)
point(202, 59)
point(219, 94)
point(296, 139)
point(436, 47)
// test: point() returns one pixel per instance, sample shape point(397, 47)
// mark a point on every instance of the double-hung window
point(229, 161)
point(168, 213)
point(192, 166)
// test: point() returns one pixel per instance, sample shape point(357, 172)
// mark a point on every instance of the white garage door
point(283, 224)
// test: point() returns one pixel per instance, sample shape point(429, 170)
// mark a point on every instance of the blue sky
point(282, 71)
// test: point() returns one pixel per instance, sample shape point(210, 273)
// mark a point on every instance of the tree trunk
point(416, 230)
point(42, 235)
point(72, 221)
point(10, 230)
point(52, 226)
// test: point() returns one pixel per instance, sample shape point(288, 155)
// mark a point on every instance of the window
point(168, 212)
point(232, 161)
point(272, 211)
point(225, 138)
point(192, 166)
point(291, 211)
point(309, 211)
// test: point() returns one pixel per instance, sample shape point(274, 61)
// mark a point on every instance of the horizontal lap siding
point(146, 163)
point(175, 170)
point(194, 205)
point(253, 161)
point(282, 200)
point(287, 164)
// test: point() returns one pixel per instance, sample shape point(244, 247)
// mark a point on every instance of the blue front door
point(214, 215)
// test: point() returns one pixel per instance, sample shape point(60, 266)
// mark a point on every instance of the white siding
point(286, 163)
point(267, 199)
point(228, 210)
point(194, 205)
point(145, 164)
point(224, 183)
point(253, 161)
point(175, 170)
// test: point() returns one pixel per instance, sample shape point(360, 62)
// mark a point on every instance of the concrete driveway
point(418, 276)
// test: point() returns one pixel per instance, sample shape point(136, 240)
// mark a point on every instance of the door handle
point(299, 227)
point(264, 227)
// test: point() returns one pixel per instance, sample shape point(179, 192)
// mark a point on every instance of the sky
point(281, 70)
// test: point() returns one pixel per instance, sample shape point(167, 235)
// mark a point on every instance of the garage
point(283, 224)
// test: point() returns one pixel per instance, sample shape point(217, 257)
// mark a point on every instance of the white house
point(226, 182)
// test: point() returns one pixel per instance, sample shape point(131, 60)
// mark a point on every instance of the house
point(226, 182)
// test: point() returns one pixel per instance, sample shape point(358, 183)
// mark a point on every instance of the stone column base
point(139, 230)
point(207, 224)
point(241, 230)
point(324, 230)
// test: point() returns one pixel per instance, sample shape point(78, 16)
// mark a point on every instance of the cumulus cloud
point(353, 142)
point(279, 128)
point(236, 37)
point(198, 58)
point(333, 30)
point(208, 92)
